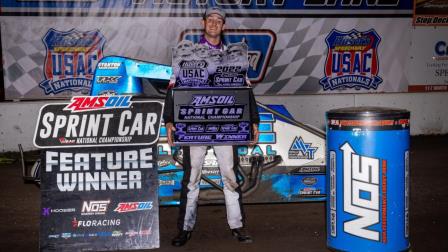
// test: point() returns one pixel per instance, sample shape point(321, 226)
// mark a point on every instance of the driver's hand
point(170, 132)
point(255, 133)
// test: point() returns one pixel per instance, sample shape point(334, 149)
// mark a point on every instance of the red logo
point(133, 206)
point(85, 103)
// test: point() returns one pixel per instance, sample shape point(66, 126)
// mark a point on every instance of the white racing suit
point(193, 159)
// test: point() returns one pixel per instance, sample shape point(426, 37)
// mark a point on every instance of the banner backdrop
point(428, 62)
point(99, 199)
point(297, 63)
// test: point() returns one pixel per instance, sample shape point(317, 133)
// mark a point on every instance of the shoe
point(242, 235)
point(181, 238)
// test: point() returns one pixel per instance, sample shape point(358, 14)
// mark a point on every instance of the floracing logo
point(352, 60)
point(95, 223)
point(260, 46)
point(84, 103)
point(301, 150)
point(70, 60)
point(124, 207)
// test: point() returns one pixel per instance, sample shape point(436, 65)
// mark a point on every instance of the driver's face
point(213, 25)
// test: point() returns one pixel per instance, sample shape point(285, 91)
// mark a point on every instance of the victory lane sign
point(93, 121)
point(100, 192)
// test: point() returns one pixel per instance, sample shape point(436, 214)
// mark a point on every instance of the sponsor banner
point(428, 64)
point(212, 116)
point(430, 13)
point(98, 121)
point(175, 8)
point(99, 199)
point(293, 64)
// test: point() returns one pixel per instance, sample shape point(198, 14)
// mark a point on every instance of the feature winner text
point(99, 171)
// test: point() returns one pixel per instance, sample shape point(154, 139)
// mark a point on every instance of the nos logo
point(361, 193)
point(260, 42)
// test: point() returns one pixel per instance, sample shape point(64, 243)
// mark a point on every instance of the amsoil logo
point(260, 43)
point(206, 100)
point(301, 150)
point(124, 207)
point(84, 103)
point(70, 60)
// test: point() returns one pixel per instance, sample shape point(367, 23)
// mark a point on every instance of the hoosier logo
point(70, 60)
point(352, 60)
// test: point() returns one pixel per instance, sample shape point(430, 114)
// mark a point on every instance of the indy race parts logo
point(70, 60)
point(352, 60)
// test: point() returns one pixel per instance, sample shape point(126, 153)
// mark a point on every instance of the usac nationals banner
point(99, 198)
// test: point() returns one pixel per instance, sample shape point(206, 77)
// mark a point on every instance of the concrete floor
point(274, 227)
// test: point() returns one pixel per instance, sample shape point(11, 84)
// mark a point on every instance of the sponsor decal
point(109, 65)
point(94, 207)
point(132, 233)
point(364, 190)
point(95, 223)
point(66, 235)
point(301, 150)
point(352, 60)
point(125, 207)
point(78, 235)
point(441, 52)
point(269, 7)
point(207, 100)
point(309, 181)
point(260, 47)
point(309, 191)
point(88, 103)
point(46, 211)
point(70, 60)
point(431, 12)
point(104, 234)
point(117, 233)
point(107, 79)
point(53, 236)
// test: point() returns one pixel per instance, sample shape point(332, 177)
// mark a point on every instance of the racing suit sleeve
point(254, 116)
point(168, 111)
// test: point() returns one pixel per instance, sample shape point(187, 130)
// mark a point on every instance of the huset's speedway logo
point(260, 46)
point(352, 60)
point(70, 60)
point(85, 103)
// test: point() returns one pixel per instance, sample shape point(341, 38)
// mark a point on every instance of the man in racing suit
point(193, 156)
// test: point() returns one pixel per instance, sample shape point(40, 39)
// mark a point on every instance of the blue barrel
point(368, 179)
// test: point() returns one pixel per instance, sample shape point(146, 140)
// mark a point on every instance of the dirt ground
point(274, 227)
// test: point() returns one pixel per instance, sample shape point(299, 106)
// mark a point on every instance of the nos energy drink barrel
point(368, 179)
